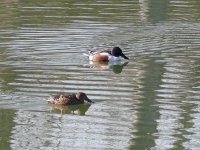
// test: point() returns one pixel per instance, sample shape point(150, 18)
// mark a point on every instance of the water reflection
point(116, 67)
point(6, 125)
point(148, 112)
point(176, 91)
point(7, 75)
point(73, 109)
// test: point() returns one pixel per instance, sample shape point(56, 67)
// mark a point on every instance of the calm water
point(150, 102)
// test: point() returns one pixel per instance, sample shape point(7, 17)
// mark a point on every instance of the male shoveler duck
point(69, 99)
point(115, 54)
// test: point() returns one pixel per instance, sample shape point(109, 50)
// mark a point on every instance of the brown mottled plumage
point(69, 99)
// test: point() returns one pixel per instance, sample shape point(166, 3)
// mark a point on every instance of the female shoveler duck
point(114, 55)
point(69, 99)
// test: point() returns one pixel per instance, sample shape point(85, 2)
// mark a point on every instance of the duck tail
point(88, 54)
point(49, 99)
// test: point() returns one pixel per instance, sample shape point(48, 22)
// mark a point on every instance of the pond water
point(150, 102)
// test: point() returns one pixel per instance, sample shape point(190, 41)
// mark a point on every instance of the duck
point(115, 54)
point(69, 99)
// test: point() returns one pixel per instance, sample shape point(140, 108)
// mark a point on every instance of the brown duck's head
point(82, 96)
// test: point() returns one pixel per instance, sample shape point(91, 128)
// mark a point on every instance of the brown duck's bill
point(88, 100)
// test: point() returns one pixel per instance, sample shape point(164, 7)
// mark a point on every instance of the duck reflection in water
point(79, 109)
point(116, 66)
